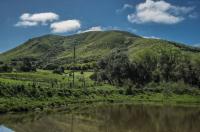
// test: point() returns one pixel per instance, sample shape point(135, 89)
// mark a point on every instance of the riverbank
point(43, 90)
point(28, 104)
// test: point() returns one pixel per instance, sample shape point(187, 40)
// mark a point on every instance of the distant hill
point(90, 46)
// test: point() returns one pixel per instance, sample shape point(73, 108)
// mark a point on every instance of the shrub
point(6, 68)
point(27, 65)
point(129, 91)
point(59, 70)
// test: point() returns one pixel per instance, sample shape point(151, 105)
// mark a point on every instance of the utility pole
point(74, 63)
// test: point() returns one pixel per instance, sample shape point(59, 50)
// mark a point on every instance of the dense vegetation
point(167, 65)
point(27, 91)
point(109, 66)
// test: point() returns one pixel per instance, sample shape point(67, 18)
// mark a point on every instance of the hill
point(90, 46)
point(129, 69)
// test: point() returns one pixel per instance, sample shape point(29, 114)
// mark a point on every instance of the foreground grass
point(44, 90)
point(28, 104)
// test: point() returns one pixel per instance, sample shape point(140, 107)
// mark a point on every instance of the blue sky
point(176, 20)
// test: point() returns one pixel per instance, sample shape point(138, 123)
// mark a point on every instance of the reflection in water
point(5, 129)
point(110, 118)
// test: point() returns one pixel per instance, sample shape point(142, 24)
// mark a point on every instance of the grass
point(90, 47)
point(45, 90)
point(29, 104)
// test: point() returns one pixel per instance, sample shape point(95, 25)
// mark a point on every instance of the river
point(107, 118)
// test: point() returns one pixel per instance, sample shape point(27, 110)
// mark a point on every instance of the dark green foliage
point(50, 66)
point(26, 65)
point(129, 91)
point(94, 76)
point(5, 68)
point(81, 66)
point(59, 70)
point(167, 65)
point(114, 68)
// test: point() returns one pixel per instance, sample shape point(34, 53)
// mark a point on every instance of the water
point(108, 118)
point(5, 129)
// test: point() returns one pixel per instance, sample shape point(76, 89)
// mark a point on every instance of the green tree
point(27, 65)
point(59, 70)
point(114, 68)
point(5, 68)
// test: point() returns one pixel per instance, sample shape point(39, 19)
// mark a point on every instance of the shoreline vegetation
point(34, 91)
point(13, 105)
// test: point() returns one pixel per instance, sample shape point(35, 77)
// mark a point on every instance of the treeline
point(24, 65)
point(30, 65)
point(70, 66)
point(163, 65)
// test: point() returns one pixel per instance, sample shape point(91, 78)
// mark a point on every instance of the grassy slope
point(90, 46)
point(154, 46)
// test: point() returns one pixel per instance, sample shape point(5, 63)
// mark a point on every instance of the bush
point(50, 67)
point(94, 76)
point(129, 91)
point(59, 70)
point(6, 68)
point(26, 65)
point(165, 65)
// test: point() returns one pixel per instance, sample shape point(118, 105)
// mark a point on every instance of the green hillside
point(112, 66)
point(90, 46)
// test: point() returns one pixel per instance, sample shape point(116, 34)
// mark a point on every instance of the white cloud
point(40, 17)
point(65, 26)
point(99, 28)
point(26, 24)
point(158, 12)
point(96, 28)
point(181, 10)
point(125, 6)
point(197, 45)
point(28, 19)
point(150, 37)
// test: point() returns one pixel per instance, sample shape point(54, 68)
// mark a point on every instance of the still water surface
point(107, 118)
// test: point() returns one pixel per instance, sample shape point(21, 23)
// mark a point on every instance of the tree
point(27, 65)
point(114, 68)
point(59, 70)
point(167, 64)
point(6, 68)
